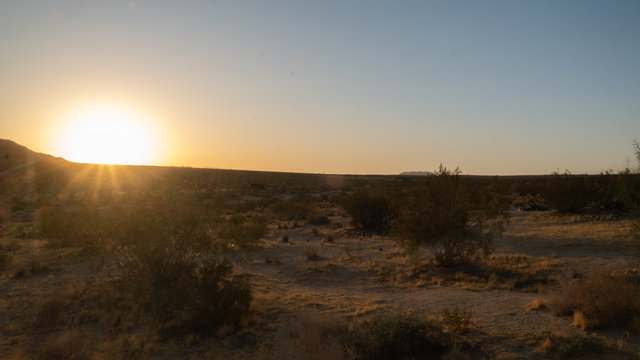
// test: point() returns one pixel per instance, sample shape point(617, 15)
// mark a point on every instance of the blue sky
point(495, 87)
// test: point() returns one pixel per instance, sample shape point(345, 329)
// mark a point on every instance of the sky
point(348, 87)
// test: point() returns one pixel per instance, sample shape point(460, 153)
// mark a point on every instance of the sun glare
point(107, 135)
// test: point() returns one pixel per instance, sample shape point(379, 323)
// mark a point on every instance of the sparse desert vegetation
point(126, 262)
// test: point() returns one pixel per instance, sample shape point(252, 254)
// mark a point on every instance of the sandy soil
point(353, 277)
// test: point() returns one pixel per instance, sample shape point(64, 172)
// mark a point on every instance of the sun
point(107, 134)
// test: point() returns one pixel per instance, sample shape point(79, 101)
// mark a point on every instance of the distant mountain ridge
point(416, 173)
point(14, 155)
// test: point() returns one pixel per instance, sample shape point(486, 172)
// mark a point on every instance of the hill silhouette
point(14, 157)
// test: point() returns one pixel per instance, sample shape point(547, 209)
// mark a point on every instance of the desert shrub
point(578, 344)
point(20, 273)
point(158, 277)
point(220, 297)
point(607, 192)
point(240, 232)
point(174, 285)
point(163, 273)
point(67, 345)
point(313, 339)
point(319, 220)
point(568, 193)
point(628, 193)
point(32, 268)
point(163, 245)
point(297, 207)
point(5, 260)
point(51, 310)
point(398, 337)
point(607, 301)
point(19, 204)
point(455, 320)
point(599, 299)
point(629, 196)
point(572, 346)
point(84, 226)
point(369, 213)
point(452, 219)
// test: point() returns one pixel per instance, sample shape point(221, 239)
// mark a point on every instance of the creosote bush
point(170, 286)
point(451, 218)
point(84, 226)
point(240, 232)
point(167, 265)
point(297, 207)
point(397, 337)
point(369, 213)
point(169, 280)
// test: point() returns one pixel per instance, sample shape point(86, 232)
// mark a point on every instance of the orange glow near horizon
point(106, 134)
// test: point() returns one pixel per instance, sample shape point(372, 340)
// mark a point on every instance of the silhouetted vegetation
point(451, 218)
point(156, 249)
point(5, 259)
point(370, 214)
point(397, 337)
point(600, 300)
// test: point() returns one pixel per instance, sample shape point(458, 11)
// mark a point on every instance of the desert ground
point(311, 275)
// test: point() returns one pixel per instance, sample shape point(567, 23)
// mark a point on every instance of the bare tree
point(636, 150)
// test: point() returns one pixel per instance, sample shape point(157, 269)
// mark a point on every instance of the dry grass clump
point(572, 346)
point(536, 304)
point(312, 338)
point(389, 336)
point(507, 272)
point(599, 300)
point(33, 268)
point(456, 320)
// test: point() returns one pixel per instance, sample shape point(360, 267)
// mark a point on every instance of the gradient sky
point(494, 87)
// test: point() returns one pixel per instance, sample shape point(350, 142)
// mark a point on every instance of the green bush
point(454, 220)
point(371, 214)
